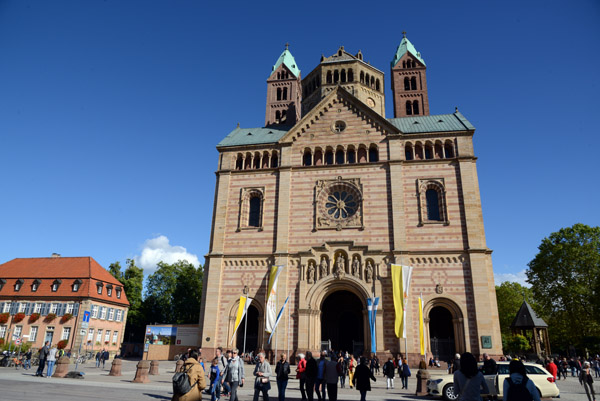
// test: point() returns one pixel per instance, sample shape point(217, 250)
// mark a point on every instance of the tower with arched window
point(284, 92)
point(409, 83)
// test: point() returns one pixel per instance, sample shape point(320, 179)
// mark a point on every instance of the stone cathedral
point(336, 192)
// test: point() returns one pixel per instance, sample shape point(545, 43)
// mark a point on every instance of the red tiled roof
point(66, 269)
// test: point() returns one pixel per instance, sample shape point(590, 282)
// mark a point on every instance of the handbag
point(264, 380)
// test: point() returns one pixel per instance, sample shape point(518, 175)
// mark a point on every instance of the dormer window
point(76, 285)
point(35, 285)
point(55, 284)
point(109, 289)
point(2, 282)
point(99, 286)
point(18, 284)
point(119, 292)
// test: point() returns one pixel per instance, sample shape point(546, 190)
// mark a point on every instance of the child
point(215, 380)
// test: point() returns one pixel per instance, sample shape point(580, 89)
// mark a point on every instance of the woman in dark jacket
point(404, 373)
point(310, 375)
point(362, 377)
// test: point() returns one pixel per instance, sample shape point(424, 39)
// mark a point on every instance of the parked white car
point(443, 385)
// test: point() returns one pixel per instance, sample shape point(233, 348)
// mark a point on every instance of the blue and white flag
point(372, 304)
point(279, 317)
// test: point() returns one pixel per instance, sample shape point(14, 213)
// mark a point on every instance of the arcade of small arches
point(283, 74)
point(282, 93)
point(341, 155)
point(342, 76)
point(429, 150)
point(257, 160)
point(409, 63)
point(412, 108)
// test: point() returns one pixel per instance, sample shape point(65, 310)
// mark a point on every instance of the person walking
point(469, 381)
point(586, 380)
point(262, 383)
point(52, 355)
point(455, 364)
point(195, 373)
point(351, 369)
point(301, 375)
point(282, 373)
point(518, 386)
point(98, 356)
point(388, 372)
point(404, 373)
point(215, 380)
point(552, 368)
point(105, 357)
point(332, 372)
point(311, 375)
point(362, 378)
point(27, 360)
point(343, 363)
point(44, 351)
point(320, 384)
point(222, 364)
point(234, 374)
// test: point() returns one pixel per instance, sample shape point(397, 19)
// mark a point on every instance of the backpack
point(181, 382)
point(518, 392)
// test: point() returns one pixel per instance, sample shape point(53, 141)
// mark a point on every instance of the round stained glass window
point(341, 204)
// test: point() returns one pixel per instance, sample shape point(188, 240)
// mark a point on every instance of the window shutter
point(45, 309)
point(13, 308)
point(111, 310)
point(28, 309)
point(1, 307)
point(76, 309)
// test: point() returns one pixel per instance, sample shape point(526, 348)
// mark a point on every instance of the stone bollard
point(179, 366)
point(422, 376)
point(153, 368)
point(141, 374)
point(115, 369)
point(62, 366)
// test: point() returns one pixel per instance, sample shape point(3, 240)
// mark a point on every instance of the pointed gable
point(527, 318)
point(286, 59)
point(404, 47)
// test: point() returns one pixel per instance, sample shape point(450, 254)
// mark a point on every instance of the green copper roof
point(288, 60)
point(403, 47)
point(253, 136)
point(437, 123)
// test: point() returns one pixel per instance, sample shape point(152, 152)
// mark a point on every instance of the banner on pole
point(372, 305)
point(242, 309)
point(401, 287)
point(279, 317)
point(271, 315)
point(421, 326)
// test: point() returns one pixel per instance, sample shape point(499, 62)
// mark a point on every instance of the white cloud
point(519, 277)
point(160, 250)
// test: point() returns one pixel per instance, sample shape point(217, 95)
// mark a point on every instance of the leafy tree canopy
point(510, 296)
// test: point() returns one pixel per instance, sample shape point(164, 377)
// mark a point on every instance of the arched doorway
point(251, 331)
point(441, 333)
point(342, 322)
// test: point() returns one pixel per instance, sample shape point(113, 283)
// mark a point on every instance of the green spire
point(403, 47)
point(288, 60)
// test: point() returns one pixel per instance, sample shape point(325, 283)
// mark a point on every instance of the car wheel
point(448, 392)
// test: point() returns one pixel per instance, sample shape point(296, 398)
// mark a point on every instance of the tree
point(173, 293)
point(132, 280)
point(510, 296)
point(565, 279)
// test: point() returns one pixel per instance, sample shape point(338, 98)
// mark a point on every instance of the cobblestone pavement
point(17, 385)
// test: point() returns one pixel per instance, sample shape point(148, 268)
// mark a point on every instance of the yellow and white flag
point(271, 315)
point(421, 327)
point(242, 309)
point(401, 287)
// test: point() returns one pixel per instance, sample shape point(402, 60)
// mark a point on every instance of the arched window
point(408, 108)
point(362, 155)
point(254, 207)
point(283, 116)
point(373, 154)
point(336, 76)
point(278, 93)
point(409, 63)
point(265, 160)
point(339, 156)
point(362, 77)
point(418, 151)
point(274, 160)
point(404, 64)
point(433, 205)
point(329, 156)
point(408, 149)
point(377, 85)
point(329, 77)
point(278, 75)
point(257, 160)
point(277, 116)
point(367, 79)
point(248, 161)
point(318, 157)
point(413, 83)
point(406, 84)
point(428, 151)
point(307, 158)
point(239, 163)
point(350, 75)
point(343, 77)
point(439, 151)
point(416, 107)
point(285, 93)
point(372, 82)
point(449, 150)
point(351, 156)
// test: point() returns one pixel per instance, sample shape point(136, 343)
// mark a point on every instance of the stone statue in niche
point(340, 267)
point(368, 271)
point(355, 266)
point(311, 272)
point(323, 267)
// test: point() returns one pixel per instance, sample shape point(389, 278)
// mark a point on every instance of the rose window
point(341, 204)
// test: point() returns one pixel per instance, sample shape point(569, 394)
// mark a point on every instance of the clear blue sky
point(110, 111)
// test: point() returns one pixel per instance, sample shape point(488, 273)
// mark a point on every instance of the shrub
point(50, 317)
point(62, 344)
point(4, 318)
point(34, 317)
point(18, 317)
point(66, 317)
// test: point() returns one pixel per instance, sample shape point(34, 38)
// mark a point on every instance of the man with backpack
point(189, 383)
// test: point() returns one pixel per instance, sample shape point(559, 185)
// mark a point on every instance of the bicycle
point(16, 362)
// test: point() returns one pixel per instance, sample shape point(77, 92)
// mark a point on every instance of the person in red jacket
point(552, 368)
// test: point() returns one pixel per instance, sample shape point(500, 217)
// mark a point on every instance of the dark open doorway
point(342, 322)
point(251, 331)
point(441, 333)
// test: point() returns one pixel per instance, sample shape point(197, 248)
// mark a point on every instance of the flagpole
point(275, 328)
point(245, 291)
point(288, 332)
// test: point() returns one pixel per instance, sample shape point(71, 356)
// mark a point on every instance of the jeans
point(343, 381)
point(226, 388)
point(281, 385)
point(264, 391)
point(303, 386)
point(50, 368)
point(332, 390)
point(27, 364)
point(215, 390)
point(233, 393)
point(321, 394)
point(98, 362)
point(40, 369)
point(363, 395)
point(404, 380)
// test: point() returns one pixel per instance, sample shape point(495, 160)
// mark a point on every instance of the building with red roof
point(46, 299)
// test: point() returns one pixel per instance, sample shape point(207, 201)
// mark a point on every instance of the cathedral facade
point(336, 192)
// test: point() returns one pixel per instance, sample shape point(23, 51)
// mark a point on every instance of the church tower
point(283, 91)
point(409, 84)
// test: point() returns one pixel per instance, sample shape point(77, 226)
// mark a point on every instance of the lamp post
point(245, 291)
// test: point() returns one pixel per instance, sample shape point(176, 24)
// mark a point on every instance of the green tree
point(510, 296)
point(516, 343)
point(565, 279)
point(132, 280)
